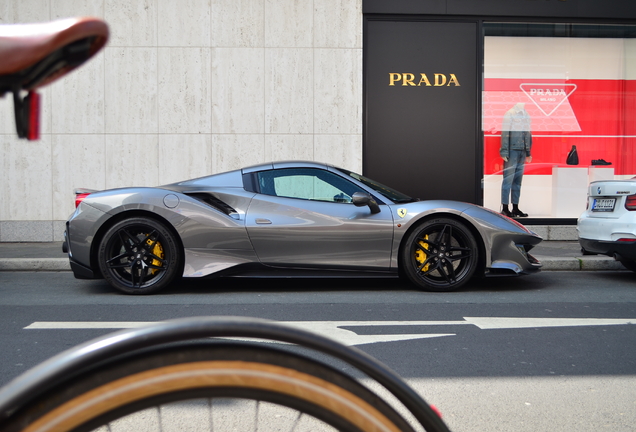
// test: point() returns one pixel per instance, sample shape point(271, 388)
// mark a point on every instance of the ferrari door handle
point(262, 221)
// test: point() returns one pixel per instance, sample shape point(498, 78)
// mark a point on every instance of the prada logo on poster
point(436, 80)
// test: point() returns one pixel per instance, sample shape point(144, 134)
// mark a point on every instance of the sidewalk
point(554, 255)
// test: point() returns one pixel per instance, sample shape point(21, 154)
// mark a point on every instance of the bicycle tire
point(211, 371)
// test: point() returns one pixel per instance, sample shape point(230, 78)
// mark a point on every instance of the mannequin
point(516, 143)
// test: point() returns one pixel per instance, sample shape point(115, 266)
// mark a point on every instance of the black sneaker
point(518, 213)
point(600, 162)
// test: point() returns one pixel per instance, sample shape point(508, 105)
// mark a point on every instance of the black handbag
point(573, 157)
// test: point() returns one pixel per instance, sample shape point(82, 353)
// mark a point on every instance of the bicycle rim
point(215, 389)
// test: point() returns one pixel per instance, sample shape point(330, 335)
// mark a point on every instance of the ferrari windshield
point(388, 192)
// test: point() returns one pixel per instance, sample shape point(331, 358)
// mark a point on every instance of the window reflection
point(577, 84)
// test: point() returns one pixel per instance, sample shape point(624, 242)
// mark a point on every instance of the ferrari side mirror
point(361, 199)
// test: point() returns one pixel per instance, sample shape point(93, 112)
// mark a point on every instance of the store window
point(559, 104)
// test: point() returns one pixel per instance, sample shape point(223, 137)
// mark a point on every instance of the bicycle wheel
point(204, 387)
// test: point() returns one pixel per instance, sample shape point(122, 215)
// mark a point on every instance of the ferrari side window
point(307, 183)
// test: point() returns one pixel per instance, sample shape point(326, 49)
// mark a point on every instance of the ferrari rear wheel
point(440, 255)
point(139, 256)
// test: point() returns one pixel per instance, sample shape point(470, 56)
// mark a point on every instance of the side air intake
point(215, 203)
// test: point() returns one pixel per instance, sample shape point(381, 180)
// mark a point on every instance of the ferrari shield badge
point(401, 212)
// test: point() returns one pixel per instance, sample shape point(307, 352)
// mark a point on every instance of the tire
point(629, 264)
point(139, 256)
point(440, 255)
point(207, 388)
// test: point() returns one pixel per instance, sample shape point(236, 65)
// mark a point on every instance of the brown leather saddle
point(34, 55)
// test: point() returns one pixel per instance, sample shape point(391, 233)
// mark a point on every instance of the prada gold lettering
point(393, 77)
point(406, 79)
point(424, 80)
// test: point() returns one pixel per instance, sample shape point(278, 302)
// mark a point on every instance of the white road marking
point(486, 323)
point(331, 329)
point(334, 330)
point(88, 324)
point(302, 324)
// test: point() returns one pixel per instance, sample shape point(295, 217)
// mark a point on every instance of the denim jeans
point(512, 176)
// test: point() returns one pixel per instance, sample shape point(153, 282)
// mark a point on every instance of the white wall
point(556, 57)
point(184, 88)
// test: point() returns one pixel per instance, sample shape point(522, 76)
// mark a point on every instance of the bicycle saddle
point(34, 55)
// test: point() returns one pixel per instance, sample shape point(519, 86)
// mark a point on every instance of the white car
point(608, 225)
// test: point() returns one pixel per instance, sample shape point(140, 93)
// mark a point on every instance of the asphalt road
point(554, 351)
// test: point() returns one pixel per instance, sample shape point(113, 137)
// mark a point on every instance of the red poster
point(597, 116)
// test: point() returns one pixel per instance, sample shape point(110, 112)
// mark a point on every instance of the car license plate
point(603, 205)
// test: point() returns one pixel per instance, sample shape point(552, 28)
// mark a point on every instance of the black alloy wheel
point(440, 255)
point(139, 256)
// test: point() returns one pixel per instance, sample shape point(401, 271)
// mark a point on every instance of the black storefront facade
point(444, 78)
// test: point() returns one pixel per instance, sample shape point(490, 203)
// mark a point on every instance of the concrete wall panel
point(184, 88)
point(131, 90)
point(77, 162)
point(238, 100)
point(233, 151)
point(289, 90)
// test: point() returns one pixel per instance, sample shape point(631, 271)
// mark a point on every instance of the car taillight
point(630, 203)
point(79, 198)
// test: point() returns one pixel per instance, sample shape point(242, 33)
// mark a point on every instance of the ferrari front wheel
point(139, 255)
point(440, 255)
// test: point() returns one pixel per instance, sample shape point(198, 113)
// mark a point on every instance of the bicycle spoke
point(296, 422)
point(159, 416)
point(258, 405)
point(218, 415)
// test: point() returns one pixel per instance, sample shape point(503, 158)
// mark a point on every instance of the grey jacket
point(515, 131)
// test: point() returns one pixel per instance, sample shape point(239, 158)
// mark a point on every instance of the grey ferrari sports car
point(288, 219)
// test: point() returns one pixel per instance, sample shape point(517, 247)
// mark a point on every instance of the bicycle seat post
point(34, 55)
point(27, 114)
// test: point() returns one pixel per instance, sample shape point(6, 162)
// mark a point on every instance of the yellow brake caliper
point(157, 250)
point(420, 255)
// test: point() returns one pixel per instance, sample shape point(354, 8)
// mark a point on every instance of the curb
point(585, 263)
point(34, 264)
